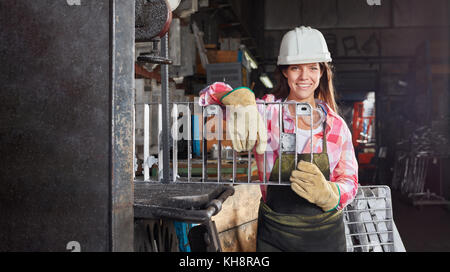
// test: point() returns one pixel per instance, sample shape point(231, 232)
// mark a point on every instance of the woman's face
point(303, 80)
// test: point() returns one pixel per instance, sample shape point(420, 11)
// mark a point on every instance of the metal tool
point(152, 22)
point(153, 56)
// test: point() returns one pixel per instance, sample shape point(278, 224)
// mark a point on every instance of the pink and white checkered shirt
point(341, 154)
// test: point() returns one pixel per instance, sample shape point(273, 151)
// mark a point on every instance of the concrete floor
point(424, 228)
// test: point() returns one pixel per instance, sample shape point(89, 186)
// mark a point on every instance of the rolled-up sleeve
point(345, 174)
point(208, 96)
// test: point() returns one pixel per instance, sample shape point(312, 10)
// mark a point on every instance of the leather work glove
point(245, 125)
point(308, 182)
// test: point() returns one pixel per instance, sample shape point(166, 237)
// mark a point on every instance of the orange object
point(224, 56)
point(365, 158)
point(358, 122)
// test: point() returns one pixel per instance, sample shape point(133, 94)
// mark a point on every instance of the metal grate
point(369, 223)
point(230, 73)
point(227, 167)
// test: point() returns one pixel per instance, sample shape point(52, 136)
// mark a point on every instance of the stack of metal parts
point(413, 158)
point(415, 175)
point(410, 173)
point(427, 141)
point(369, 224)
point(440, 137)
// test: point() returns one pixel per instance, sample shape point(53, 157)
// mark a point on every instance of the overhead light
point(402, 83)
point(251, 60)
point(266, 81)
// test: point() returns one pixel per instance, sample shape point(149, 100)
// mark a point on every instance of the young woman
point(307, 216)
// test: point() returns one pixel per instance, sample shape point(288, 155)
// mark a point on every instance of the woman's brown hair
point(324, 92)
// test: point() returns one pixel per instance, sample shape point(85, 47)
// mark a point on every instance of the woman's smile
point(303, 86)
point(303, 80)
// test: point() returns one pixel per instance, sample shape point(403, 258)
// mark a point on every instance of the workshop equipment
point(363, 140)
point(152, 23)
point(157, 205)
point(423, 148)
point(361, 125)
point(67, 78)
point(410, 176)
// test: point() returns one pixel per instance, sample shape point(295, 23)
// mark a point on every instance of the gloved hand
point(245, 125)
point(308, 182)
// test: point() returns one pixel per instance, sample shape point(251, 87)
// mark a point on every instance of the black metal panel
point(356, 81)
point(63, 125)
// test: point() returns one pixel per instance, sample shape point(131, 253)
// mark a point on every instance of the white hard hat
point(303, 45)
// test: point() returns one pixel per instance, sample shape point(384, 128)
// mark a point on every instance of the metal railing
point(181, 116)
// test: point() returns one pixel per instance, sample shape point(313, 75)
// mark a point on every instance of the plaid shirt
point(343, 164)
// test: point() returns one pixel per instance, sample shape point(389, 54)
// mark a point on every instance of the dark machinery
point(157, 204)
point(66, 133)
point(153, 20)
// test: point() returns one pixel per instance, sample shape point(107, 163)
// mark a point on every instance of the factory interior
point(92, 94)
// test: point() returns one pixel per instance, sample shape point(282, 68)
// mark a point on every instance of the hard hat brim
point(288, 60)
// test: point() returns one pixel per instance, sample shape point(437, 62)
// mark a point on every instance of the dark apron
point(288, 222)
